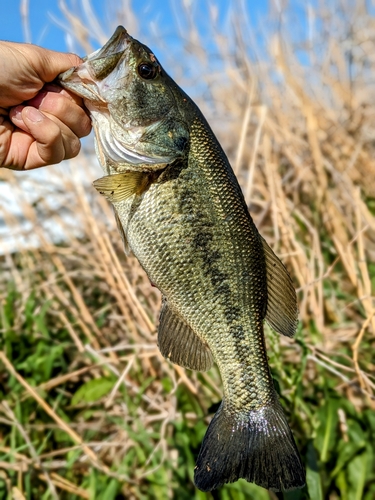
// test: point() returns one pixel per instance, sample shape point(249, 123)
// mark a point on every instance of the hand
point(40, 123)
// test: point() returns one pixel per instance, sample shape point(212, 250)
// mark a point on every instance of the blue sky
point(45, 20)
point(45, 16)
point(43, 29)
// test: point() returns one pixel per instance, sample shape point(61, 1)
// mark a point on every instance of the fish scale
point(181, 211)
point(241, 255)
point(165, 198)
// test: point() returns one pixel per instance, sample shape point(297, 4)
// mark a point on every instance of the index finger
point(51, 63)
point(53, 87)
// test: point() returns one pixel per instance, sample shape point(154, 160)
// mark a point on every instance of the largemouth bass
point(181, 211)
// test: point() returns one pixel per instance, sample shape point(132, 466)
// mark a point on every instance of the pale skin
point(40, 123)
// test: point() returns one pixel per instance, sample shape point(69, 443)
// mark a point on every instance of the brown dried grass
point(301, 140)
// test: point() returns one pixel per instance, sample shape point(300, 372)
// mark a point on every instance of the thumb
point(50, 63)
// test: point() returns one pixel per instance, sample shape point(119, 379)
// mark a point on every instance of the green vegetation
point(88, 407)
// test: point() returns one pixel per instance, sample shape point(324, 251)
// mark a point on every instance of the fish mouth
point(98, 70)
point(96, 80)
point(115, 45)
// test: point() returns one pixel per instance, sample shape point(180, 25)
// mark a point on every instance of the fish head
point(132, 103)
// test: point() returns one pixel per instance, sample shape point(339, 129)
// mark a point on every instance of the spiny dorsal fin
point(122, 233)
point(282, 309)
point(180, 344)
point(119, 187)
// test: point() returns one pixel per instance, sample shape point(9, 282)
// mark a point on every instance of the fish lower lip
point(67, 74)
point(79, 81)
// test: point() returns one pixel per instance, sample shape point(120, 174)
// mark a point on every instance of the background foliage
point(89, 408)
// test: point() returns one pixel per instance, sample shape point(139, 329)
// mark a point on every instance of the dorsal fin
point(179, 343)
point(282, 308)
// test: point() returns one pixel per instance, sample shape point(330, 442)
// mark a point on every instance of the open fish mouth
point(99, 70)
point(101, 77)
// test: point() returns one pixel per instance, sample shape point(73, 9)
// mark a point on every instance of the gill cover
point(131, 103)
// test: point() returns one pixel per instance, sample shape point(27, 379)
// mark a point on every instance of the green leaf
point(295, 495)
point(326, 435)
point(313, 480)
point(342, 484)
point(92, 390)
point(40, 319)
point(252, 491)
point(346, 453)
point(111, 490)
point(357, 470)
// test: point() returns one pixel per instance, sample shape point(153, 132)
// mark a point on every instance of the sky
point(45, 20)
point(45, 26)
point(43, 29)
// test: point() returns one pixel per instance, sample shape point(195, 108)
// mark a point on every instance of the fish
point(180, 210)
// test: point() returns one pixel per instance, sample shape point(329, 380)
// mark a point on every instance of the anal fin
point(179, 343)
point(282, 308)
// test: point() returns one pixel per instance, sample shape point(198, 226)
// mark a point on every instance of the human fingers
point(26, 68)
point(47, 142)
point(57, 102)
point(6, 132)
point(54, 141)
point(49, 63)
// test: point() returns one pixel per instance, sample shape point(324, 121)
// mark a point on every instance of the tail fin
point(258, 447)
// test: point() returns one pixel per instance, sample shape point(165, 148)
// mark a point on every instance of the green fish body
point(181, 211)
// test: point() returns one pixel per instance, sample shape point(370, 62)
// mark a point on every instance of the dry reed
point(300, 133)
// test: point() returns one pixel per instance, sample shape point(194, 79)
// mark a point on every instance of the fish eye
point(147, 71)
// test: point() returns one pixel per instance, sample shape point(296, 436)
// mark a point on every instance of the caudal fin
point(258, 447)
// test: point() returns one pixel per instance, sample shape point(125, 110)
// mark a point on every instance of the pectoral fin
point(122, 233)
point(120, 187)
point(282, 309)
point(180, 344)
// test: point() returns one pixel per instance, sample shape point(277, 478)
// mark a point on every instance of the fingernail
point(36, 101)
point(33, 114)
point(16, 113)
